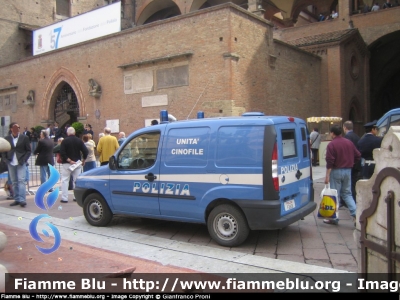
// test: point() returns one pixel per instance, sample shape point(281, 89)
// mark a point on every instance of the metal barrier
point(34, 173)
point(3, 179)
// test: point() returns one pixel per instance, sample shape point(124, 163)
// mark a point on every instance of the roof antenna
point(212, 77)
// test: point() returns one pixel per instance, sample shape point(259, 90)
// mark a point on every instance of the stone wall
point(229, 56)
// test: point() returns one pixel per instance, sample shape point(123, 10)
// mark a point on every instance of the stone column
point(255, 6)
point(345, 10)
point(3, 269)
point(376, 230)
point(4, 147)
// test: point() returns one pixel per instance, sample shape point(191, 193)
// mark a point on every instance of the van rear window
point(395, 120)
point(288, 143)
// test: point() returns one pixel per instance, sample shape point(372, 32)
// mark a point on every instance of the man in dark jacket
point(356, 170)
point(72, 150)
point(45, 156)
point(387, 4)
point(27, 132)
point(366, 145)
point(16, 160)
point(56, 132)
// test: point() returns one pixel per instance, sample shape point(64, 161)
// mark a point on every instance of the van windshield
point(140, 152)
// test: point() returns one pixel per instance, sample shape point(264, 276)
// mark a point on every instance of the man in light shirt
point(375, 7)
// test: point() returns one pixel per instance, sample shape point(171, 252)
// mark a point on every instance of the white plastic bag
point(329, 205)
point(75, 165)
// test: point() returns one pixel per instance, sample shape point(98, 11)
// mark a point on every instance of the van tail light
point(274, 164)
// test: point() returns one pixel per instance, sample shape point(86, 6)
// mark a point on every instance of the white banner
point(88, 26)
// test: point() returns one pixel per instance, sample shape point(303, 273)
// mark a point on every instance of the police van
point(391, 118)
point(234, 174)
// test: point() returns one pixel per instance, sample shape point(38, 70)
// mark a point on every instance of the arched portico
point(385, 74)
point(200, 4)
point(56, 83)
point(157, 10)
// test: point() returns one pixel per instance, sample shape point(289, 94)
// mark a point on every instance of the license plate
point(290, 204)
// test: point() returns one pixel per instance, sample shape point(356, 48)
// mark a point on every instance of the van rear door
point(293, 166)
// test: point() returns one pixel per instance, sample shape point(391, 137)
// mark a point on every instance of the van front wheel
point(96, 210)
point(227, 225)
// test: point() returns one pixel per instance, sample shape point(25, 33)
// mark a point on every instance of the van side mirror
point(112, 163)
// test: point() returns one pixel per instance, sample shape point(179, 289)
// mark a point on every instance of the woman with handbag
point(90, 162)
point(315, 141)
point(56, 150)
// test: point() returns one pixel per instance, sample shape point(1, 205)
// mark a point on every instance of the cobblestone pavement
point(308, 242)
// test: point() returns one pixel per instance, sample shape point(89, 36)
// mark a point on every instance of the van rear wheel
point(227, 225)
point(96, 210)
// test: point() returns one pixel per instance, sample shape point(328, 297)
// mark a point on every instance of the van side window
point(140, 152)
point(303, 134)
point(395, 120)
point(305, 150)
point(187, 147)
point(289, 143)
point(382, 127)
point(240, 146)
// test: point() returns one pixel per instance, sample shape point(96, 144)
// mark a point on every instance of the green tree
point(38, 129)
point(78, 128)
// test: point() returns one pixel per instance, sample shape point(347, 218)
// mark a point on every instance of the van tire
point(227, 225)
point(96, 210)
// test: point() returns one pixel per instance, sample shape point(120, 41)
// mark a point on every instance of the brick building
point(187, 56)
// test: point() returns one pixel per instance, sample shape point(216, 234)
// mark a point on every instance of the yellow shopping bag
point(329, 205)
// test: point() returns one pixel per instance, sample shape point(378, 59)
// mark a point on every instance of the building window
point(7, 100)
point(62, 7)
point(354, 67)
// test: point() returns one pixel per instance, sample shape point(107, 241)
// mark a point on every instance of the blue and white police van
point(391, 118)
point(234, 174)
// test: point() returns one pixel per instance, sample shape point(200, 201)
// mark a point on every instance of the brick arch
point(150, 7)
point(384, 72)
point(298, 7)
point(196, 4)
point(322, 6)
point(60, 76)
point(374, 36)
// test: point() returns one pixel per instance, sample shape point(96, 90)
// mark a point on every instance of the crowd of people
point(365, 9)
point(376, 6)
point(332, 16)
point(52, 141)
point(348, 158)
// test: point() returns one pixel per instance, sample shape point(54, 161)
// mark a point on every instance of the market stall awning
point(323, 119)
